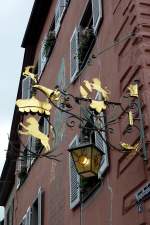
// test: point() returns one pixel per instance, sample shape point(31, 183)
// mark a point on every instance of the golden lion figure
point(33, 129)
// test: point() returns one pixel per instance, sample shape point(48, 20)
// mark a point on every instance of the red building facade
point(86, 38)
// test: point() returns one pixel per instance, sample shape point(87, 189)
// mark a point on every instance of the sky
point(14, 16)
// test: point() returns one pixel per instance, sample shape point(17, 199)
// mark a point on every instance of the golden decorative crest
point(54, 95)
point(130, 117)
point(27, 73)
point(133, 89)
point(98, 105)
point(130, 148)
point(96, 85)
point(32, 129)
point(33, 105)
point(83, 92)
point(87, 85)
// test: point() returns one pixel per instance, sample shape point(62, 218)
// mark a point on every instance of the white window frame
point(73, 76)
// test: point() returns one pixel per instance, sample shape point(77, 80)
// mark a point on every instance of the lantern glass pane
point(96, 159)
point(82, 159)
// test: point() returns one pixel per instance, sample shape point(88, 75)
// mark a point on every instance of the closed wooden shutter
point(74, 61)
point(97, 13)
point(26, 88)
point(74, 178)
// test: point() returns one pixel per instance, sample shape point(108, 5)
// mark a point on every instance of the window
point(34, 215)
point(21, 168)
point(87, 134)
point(26, 88)
point(36, 209)
point(27, 218)
point(27, 157)
point(46, 48)
point(84, 36)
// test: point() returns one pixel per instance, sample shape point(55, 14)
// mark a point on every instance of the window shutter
point(100, 143)
point(74, 61)
point(57, 17)
point(42, 59)
point(28, 216)
point(26, 88)
point(39, 206)
point(99, 139)
point(97, 13)
point(74, 178)
point(63, 4)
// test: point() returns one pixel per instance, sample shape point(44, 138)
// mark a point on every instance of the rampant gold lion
point(33, 129)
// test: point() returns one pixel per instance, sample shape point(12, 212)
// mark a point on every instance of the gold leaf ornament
point(83, 92)
point(87, 85)
point(54, 95)
point(99, 106)
point(96, 85)
point(27, 73)
point(33, 105)
point(130, 118)
point(32, 129)
point(130, 148)
point(85, 89)
point(133, 89)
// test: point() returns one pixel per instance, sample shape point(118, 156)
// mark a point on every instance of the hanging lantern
point(87, 159)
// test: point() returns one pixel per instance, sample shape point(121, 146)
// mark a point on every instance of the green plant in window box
point(86, 37)
point(49, 43)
